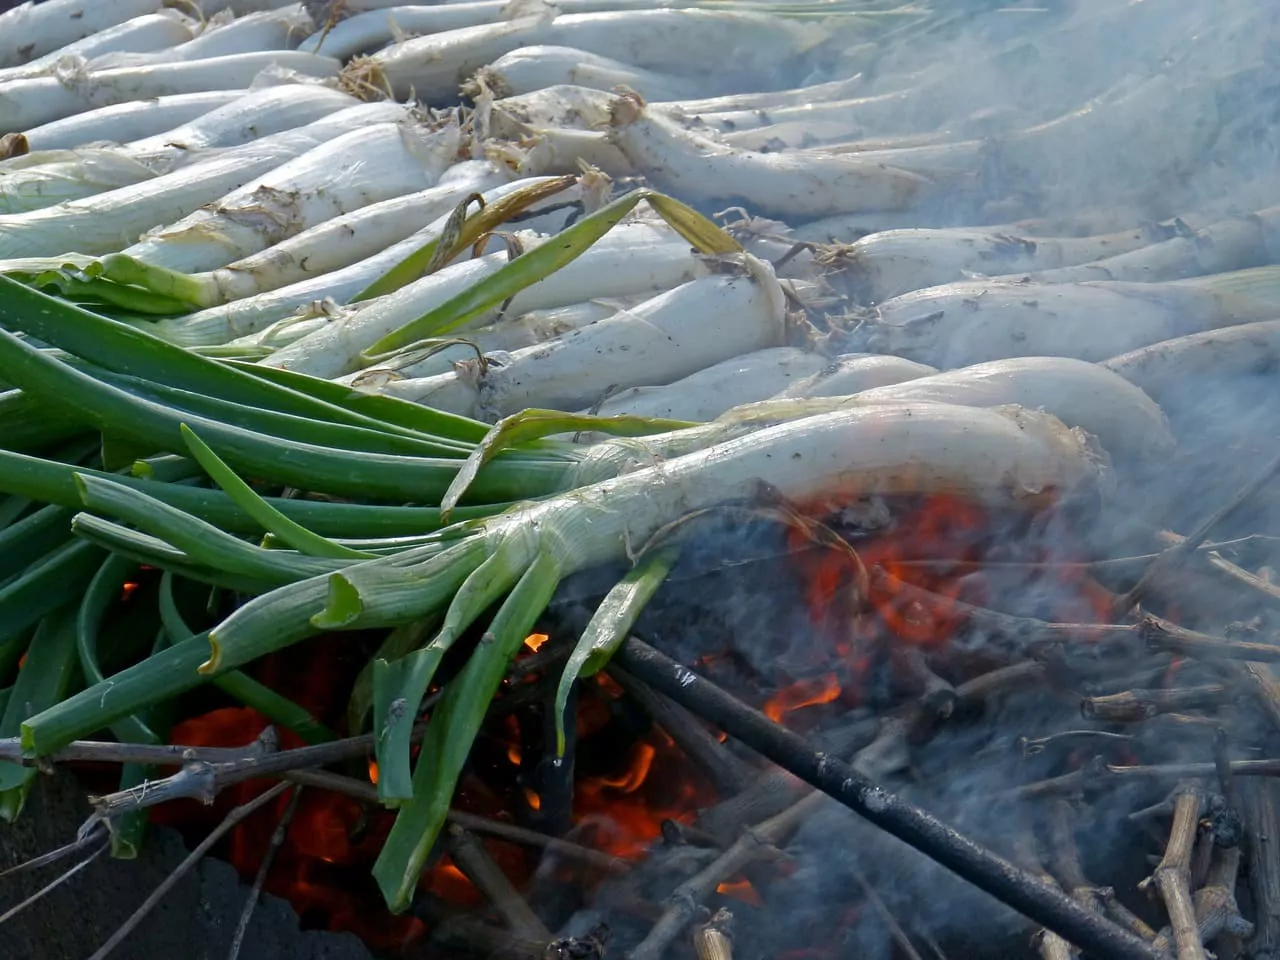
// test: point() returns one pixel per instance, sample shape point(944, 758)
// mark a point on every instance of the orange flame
point(741, 890)
point(534, 641)
point(803, 693)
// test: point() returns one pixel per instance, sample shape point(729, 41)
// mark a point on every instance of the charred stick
point(713, 940)
point(1064, 855)
point(727, 773)
point(1172, 876)
point(1225, 819)
point(260, 878)
point(368, 793)
point(1260, 809)
point(1178, 553)
point(545, 774)
point(181, 870)
point(473, 860)
point(1013, 887)
point(1133, 706)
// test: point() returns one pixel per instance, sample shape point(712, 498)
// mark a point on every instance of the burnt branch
point(1015, 888)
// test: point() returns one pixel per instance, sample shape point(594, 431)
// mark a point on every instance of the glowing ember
point(532, 799)
point(452, 886)
point(128, 590)
point(373, 771)
point(534, 641)
point(802, 693)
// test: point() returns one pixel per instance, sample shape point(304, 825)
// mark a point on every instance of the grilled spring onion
point(149, 32)
point(341, 241)
point(1164, 369)
point(98, 224)
point(634, 258)
point(37, 100)
point(252, 314)
point(711, 391)
point(663, 40)
point(673, 335)
point(29, 31)
point(77, 174)
point(1220, 247)
point(853, 373)
point(958, 324)
point(892, 262)
point(1125, 420)
point(132, 120)
point(539, 66)
point(376, 162)
point(509, 334)
point(781, 184)
point(1002, 456)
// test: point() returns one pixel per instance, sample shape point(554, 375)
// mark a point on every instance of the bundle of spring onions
point(272, 328)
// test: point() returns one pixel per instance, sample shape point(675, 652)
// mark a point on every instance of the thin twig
point(52, 885)
point(1179, 552)
point(95, 832)
point(877, 903)
point(181, 870)
point(268, 858)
